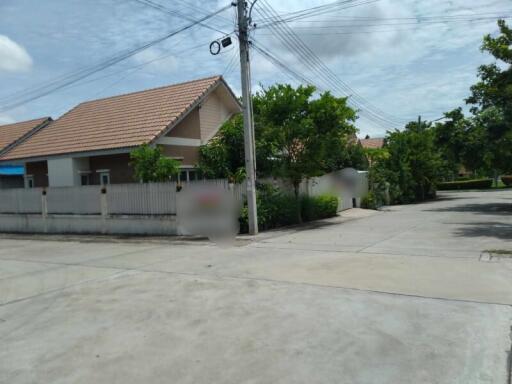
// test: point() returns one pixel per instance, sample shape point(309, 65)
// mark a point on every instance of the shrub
point(318, 207)
point(277, 209)
point(369, 201)
point(467, 184)
point(507, 180)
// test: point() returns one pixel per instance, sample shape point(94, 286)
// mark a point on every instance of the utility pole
point(250, 163)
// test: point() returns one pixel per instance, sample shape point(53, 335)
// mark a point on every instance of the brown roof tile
point(10, 133)
point(377, 142)
point(115, 122)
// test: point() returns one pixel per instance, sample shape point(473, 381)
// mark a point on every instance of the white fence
point(21, 200)
point(155, 208)
point(142, 199)
point(350, 187)
point(116, 199)
point(74, 200)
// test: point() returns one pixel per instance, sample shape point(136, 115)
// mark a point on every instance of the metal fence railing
point(21, 200)
point(114, 199)
point(84, 200)
point(142, 199)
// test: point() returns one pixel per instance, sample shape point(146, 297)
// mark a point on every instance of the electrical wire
point(312, 59)
point(172, 12)
point(314, 11)
point(28, 95)
point(322, 72)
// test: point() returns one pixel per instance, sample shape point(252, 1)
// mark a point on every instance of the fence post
point(44, 210)
point(104, 209)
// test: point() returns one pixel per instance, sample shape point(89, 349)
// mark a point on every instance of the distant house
point(90, 144)
point(372, 143)
point(11, 176)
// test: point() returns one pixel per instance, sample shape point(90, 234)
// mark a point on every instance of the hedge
point(318, 207)
point(465, 184)
point(277, 209)
point(507, 180)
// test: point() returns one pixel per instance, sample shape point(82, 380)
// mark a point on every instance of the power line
point(418, 22)
point(28, 95)
point(315, 11)
point(496, 14)
point(172, 12)
point(301, 78)
point(312, 31)
point(312, 62)
point(293, 41)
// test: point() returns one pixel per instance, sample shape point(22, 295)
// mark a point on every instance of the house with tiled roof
point(372, 143)
point(91, 143)
point(11, 175)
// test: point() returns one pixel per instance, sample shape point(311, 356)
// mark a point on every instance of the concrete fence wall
point(350, 187)
point(114, 209)
point(138, 208)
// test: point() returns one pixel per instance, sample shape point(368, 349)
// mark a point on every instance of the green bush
point(467, 184)
point(507, 180)
point(318, 207)
point(369, 201)
point(277, 209)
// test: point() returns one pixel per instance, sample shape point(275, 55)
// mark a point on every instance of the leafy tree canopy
point(411, 163)
point(491, 98)
point(297, 136)
point(150, 165)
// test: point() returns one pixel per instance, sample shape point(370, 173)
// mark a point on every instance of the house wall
point(189, 156)
point(188, 128)
point(120, 170)
point(39, 170)
point(213, 113)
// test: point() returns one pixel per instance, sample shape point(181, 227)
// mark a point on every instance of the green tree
point(297, 136)
point(412, 163)
point(491, 97)
point(150, 165)
point(300, 130)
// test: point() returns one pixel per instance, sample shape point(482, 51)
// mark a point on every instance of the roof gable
point(116, 122)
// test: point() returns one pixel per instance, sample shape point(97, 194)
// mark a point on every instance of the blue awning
point(12, 170)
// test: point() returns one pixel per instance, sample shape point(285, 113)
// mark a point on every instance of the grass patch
point(501, 252)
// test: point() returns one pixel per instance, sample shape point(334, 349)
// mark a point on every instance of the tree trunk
point(296, 186)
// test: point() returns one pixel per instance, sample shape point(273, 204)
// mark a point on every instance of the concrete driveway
point(399, 296)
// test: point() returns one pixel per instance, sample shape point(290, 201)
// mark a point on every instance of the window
point(84, 179)
point(192, 175)
point(104, 178)
point(183, 176)
point(30, 181)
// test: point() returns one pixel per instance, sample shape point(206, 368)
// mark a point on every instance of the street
point(417, 293)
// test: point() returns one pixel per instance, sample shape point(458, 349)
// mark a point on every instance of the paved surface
point(399, 296)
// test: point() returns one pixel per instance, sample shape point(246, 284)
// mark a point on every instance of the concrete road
point(399, 296)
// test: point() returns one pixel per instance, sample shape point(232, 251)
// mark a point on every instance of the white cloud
point(5, 119)
point(13, 57)
point(157, 60)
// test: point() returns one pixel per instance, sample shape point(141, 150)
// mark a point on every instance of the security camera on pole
point(250, 162)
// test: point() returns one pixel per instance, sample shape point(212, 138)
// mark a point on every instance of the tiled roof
point(115, 122)
point(10, 133)
point(377, 142)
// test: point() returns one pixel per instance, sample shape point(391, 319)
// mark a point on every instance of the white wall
point(65, 172)
point(80, 164)
point(60, 172)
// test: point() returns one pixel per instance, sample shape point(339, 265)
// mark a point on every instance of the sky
point(400, 65)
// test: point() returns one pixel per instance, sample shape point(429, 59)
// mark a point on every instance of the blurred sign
point(209, 210)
